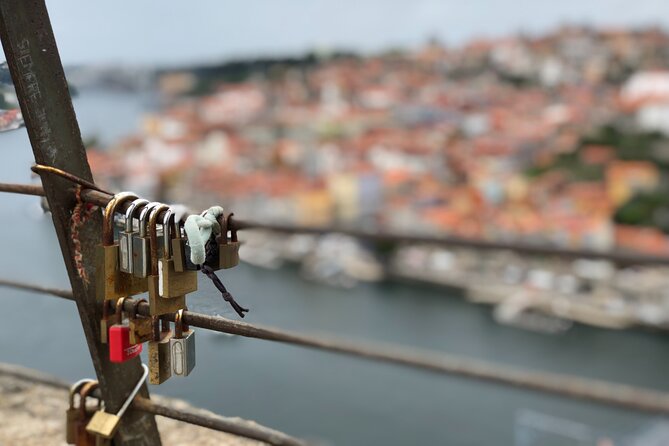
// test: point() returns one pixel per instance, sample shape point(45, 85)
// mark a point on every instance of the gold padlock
point(228, 249)
point(104, 322)
point(81, 436)
point(141, 328)
point(111, 284)
point(160, 365)
point(73, 414)
point(104, 424)
point(173, 283)
point(159, 305)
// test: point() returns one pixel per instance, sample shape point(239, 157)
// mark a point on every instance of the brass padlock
point(160, 367)
point(228, 249)
point(141, 327)
point(104, 322)
point(100, 441)
point(111, 284)
point(172, 283)
point(81, 436)
point(159, 305)
point(104, 424)
point(126, 236)
point(73, 414)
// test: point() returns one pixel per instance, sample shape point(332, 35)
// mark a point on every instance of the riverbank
point(553, 292)
point(32, 413)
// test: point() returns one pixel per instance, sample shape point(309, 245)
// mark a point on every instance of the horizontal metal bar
point(218, 423)
point(25, 189)
point(65, 294)
point(618, 257)
point(598, 391)
point(236, 426)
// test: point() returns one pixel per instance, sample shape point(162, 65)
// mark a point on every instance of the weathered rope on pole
point(598, 391)
point(81, 213)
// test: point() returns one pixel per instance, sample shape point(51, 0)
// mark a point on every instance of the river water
point(335, 399)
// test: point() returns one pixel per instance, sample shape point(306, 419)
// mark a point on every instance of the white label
point(160, 278)
point(124, 253)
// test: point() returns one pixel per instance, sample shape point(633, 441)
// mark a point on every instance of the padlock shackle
point(168, 235)
point(119, 310)
point(223, 223)
point(177, 227)
point(76, 388)
point(144, 215)
point(130, 213)
point(134, 392)
point(179, 325)
point(108, 220)
point(85, 392)
point(233, 232)
point(153, 236)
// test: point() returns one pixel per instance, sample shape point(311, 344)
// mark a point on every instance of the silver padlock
point(182, 347)
point(228, 250)
point(125, 239)
point(140, 243)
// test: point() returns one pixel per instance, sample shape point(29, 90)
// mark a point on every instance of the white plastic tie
point(198, 230)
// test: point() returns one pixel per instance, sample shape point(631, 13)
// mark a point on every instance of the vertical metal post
point(34, 62)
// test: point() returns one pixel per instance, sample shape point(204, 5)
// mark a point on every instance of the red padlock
point(120, 348)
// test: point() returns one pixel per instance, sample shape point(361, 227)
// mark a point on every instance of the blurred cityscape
point(550, 139)
point(556, 139)
point(561, 139)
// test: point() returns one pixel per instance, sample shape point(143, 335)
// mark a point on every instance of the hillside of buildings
point(560, 138)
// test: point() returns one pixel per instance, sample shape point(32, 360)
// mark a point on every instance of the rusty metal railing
point(618, 257)
point(593, 390)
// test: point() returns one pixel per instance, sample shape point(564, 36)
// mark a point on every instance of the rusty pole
point(37, 72)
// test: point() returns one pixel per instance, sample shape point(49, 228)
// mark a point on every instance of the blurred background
point(535, 122)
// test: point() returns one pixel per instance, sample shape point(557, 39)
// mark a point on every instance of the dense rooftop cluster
point(497, 139)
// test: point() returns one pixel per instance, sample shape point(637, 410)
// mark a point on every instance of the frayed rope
point(81, 213)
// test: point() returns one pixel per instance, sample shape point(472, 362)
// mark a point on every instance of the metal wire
point(40, 169)
point(619, 258)
point(64, 294)
point(235, 426)
point(598, 391)
point(219, 423)
point(25, 189)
